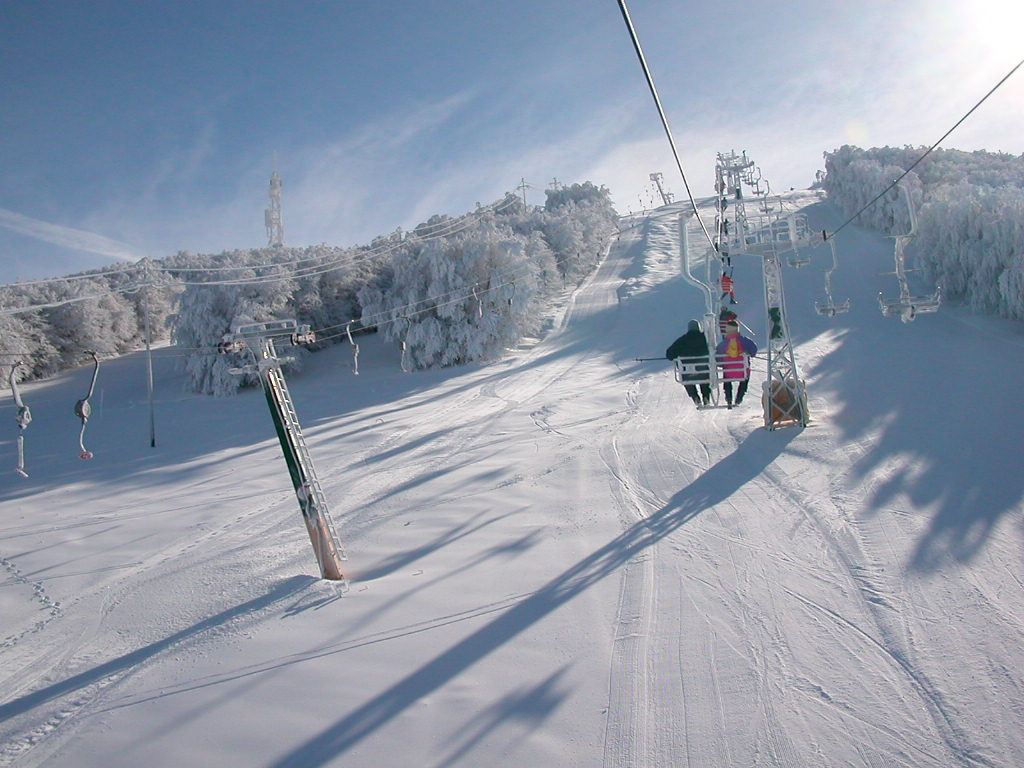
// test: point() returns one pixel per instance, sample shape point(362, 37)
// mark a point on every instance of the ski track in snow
point(764, 611)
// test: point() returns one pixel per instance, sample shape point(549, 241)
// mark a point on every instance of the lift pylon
point(258, 338)
point(768, 236)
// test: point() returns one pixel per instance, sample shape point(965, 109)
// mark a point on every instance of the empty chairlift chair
point(830, 307)
point(906, 306)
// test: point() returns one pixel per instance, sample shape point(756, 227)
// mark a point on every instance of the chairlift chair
point(906, 306)
point(709, 369)
point(405, 358)
point(83, 410)
point(23, 418)
point(831, 308)
point(354, 346)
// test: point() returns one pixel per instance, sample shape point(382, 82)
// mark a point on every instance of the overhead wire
point(661, 113)
point(443, 229)
point(72, 278)
point(431, 231)
point(453, 227)
point(956, 125)
point(423, 230)
point(73, 300)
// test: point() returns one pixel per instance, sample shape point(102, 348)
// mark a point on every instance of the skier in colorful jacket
point(728, 288)
point(725, 317)
point(733, 352)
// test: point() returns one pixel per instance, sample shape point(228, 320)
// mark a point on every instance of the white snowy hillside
point(554, 560)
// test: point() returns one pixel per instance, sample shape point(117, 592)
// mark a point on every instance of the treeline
point(453, 289)
point(970, 216)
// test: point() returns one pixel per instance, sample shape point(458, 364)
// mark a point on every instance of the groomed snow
point(555, 560)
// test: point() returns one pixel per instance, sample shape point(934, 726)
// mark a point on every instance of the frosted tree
point(206, 313)
point(456, 299)
point(971, 215)
point(106, 326)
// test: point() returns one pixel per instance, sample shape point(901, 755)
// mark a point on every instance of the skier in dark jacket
point(692, 344)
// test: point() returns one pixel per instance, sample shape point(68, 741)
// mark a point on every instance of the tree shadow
point(126, 662)
point(402, 559)
point(529, 706)
point(921, 401)
point(759, 450)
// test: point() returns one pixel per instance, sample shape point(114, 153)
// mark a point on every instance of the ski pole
point(649, 359)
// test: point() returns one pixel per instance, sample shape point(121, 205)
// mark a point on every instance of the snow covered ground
point(554, 559)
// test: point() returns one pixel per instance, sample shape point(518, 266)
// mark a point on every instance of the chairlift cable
point(73, 300)
point(881, 194)
point(70, 278)
point(661, 113)
point(442, 229)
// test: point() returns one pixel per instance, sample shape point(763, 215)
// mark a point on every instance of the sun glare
point(995, 25)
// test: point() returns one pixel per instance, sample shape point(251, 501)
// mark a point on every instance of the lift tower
point(769, 235)
point(666, 197)
point(258, 339)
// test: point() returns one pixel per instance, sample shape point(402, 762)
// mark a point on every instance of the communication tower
point(272, 215)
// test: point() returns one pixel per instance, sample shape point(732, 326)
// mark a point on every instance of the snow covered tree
point(206, 313)
point(970, 211)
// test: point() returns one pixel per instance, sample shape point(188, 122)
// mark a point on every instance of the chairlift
point(830, 308)
point(707, 369)
point(405, 357)
point(83, 410)
point(479, 304)
point(906, 306)
point(354, 346)
point(23, 418)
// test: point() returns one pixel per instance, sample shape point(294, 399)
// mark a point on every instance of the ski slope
point(555, 560)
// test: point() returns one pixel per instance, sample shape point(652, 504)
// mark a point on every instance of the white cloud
point(68, 237)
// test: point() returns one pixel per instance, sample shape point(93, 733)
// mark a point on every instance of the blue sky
point(133, 129)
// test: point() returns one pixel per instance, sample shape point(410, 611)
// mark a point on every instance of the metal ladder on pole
point(258, 339)
point(305, 461)
point(312, 500)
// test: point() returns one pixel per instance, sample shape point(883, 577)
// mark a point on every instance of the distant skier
point(692, 344)
point(728, 288)
point(733, 353)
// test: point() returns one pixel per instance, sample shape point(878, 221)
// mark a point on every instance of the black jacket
point(690, 344)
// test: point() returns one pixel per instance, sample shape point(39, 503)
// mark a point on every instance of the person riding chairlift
point(692, 344)
point(725, 317)
point(732, 353)
point(728, 288)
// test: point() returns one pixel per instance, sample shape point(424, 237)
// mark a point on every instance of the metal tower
point(272, 215)
point(258, 338)
point(666, 197)
point(768, 235)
